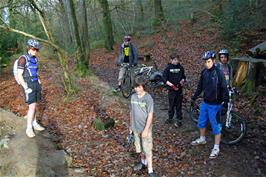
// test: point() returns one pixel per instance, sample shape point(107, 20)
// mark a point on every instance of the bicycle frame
point(229, 109)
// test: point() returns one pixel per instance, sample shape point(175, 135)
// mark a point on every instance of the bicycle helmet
point(223, 52)
point(127, 38)
point(33, 43)
point(207, 55)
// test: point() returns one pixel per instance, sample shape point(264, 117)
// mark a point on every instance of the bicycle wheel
point(194, 113)
point(237, 130)
point(126, 87)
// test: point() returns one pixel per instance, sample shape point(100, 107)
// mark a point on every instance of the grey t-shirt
point(140, 107)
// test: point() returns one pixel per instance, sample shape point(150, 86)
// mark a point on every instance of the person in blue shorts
point(213, 85)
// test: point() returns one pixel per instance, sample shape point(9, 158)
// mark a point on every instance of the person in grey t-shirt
point(141, 116)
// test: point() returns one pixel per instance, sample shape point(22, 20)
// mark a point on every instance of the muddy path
point(172, 146)
point(22, 156)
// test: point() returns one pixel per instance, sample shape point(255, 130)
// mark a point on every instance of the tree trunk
point(141, 9)
point(258, 51)
point(84, 29)
point(107, 23)
point(159, 15)
point(82, 64)
point(249, 85)
point(69, 88)
point(65, 23)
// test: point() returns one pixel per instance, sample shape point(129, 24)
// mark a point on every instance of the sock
point(216, 146)
point(29, 126)
point(202, 138)
point(144, 161)
point(150, 170)
point(34, 123)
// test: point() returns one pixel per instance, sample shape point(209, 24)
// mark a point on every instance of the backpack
point(15, 67)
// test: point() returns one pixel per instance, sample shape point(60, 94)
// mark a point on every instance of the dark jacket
point(133, 55)
point(212, 83)
point(230, 69)
point(174, 74)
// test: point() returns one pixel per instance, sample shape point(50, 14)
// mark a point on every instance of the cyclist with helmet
point(213, 85)
point(127, 54)
point(226, 67)
point(29, 80)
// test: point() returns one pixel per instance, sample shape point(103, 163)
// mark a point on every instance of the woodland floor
point(104, 153)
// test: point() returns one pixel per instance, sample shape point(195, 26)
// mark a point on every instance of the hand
point(193, 103)
point(182, 82)
point(28, 90)
point(144, 134)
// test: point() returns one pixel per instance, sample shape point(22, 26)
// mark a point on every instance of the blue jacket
point(213, 85)
point(133, 55)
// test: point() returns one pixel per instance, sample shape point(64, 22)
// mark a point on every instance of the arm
point(150, 109)
point(183, 78)
point(199, 88)
point(21, 79)
point(148, 125)
point(225, 94)
point(134, 54)
point(165, 79)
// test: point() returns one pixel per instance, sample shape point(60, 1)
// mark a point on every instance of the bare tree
point(82, 63)
point(159, 15)
point(107, 23)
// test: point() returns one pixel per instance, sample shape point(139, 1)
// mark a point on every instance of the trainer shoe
point(38, 127)
point(30, 133)
point(178, 124)
point(198, 142)
point(214, 153)
point(169, 121)
point(139, 166)
point(152, 174)
point(117, 89)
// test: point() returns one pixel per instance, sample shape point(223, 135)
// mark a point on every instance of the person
point(225, 66)
point(141, 117)
point(31, 84)
point(174, 77)
point(127, 54)
point(213, 85)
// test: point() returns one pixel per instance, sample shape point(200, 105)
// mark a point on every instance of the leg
point(171, 101)
point(212, 112)
point(147, 149)
point(202, 122)
point(139, 150)
point(121, 74)
point(30, 117)
point(178, 107)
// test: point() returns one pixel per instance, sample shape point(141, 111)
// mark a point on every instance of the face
point(139, 90)
point(209, 63)
point(33, 51)
point(223, 59)
point(174, 61)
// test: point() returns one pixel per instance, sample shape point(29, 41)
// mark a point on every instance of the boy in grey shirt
point(141, 116)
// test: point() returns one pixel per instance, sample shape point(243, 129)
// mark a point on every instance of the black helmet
point(33, 43)
point(207, 55)
point(156, 76)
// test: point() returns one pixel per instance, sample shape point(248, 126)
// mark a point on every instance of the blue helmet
point(33, 43)
point(207, 55)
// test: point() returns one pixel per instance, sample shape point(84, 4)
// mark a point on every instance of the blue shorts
point(209, 112)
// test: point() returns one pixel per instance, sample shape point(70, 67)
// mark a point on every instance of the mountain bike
point(149, 73)
point(234, 125)
point(127, 83)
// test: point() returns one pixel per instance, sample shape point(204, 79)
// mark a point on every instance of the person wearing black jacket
point(174, 77)
point(213, 85)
